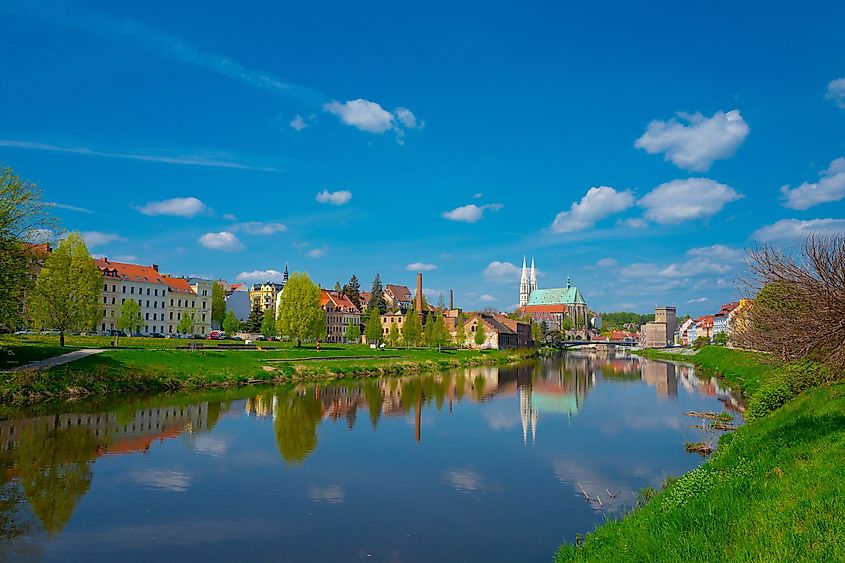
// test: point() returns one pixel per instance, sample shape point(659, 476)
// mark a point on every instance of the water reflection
point(47, 462)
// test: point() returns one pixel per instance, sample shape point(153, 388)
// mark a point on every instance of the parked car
point(26, 332)
point(116, 333)
point(156, 335)
point(260, 337)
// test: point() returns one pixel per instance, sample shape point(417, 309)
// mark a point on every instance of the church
point(560, 308)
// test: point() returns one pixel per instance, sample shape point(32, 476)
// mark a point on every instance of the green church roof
point(556, 296)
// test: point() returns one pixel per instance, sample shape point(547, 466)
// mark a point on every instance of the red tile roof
point(400, 292)
point(129, 272)
point(339, 300)
point(179, 285)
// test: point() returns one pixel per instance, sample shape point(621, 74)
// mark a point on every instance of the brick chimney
point(419, 293)
point(155, 267)
point(451, 299)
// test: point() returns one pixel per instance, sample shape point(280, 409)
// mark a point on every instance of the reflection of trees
point(12, 524)
point(55, 470)
point(374, 397)
point(295, 423)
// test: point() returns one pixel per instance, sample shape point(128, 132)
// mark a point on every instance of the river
point(480, 464)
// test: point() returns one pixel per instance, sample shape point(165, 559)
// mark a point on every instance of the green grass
point(134, 370)
point(774, 491)
point(743, 370)
point(123, 342)
point(14, 354)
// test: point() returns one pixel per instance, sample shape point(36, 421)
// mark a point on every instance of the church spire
point(524, 285)
point(532, 284)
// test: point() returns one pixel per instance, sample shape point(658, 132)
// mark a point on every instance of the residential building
point(497, 335)
point(390, 319)
point(720, 319)
point(660, 333)
point(203, 290)
point(265, 295)
point(144, 284)
point(521, 329)
point(684, 332)
point(181, 301)
point(340, 312)
point(397, 298)
point(704, 327)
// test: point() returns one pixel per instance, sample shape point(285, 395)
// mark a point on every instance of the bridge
point(597, 344)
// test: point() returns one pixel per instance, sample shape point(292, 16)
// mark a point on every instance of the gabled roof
point(339, 300)
point(129, 272)
point(365, 297)
point(556, 296)
point(399, 292)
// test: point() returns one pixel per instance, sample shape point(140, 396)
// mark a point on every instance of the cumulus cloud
point(634, 223)
point(836, 91)
point(694, 267)
point(687, 199)
point(470, 213)
point(259, 227)
point(607, 262)
point(487, 298)
point(718, 252)
point(224, 240)
point(176, 207)
point(340, 197)
point(406, 118)
point(830, 187)
point(794, 229)
point(261, 275)
point(298, 123)
point(98, 238)
point(420, 267)
point(362, 114)
point(502, 272)
point(693, 141)
point(317, 252)
point(597, 203)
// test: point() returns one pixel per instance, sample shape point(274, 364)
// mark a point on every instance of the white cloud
point(316, 252)
point(597, 203)
point(420, 267)
point(406, 117)
point(332, 494)
point(130, 258)
point(718, 252)
point(224, 240)
point(362, 114)
point(607, 263)
point(794, 229)
point(502, 272)
point(340, 197)
point(836, 91)
point(830, 187)
point(470, 213)
point(694, 267)
point(176, 207)
point(487, 298)
point(261, 275)
point(259, 227)
point(97, 238)
point(70, 207)
point(230, 217)
point(298, 123)
point(694, 145)
point(697, 300)
point(687, 199)
point(478, 195)
point(634, 223)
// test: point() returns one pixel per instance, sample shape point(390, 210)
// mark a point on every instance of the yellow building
point(263, 295)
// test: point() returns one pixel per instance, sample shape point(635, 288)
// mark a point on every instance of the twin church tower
point(527, 283)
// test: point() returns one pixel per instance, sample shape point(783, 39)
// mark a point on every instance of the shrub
point(787, 382)
point(700, 342)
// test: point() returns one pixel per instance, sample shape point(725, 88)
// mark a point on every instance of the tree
point(372, 329)
point(300, 316)
point(218, 305)
point(337, 287)
point(255, 319)
point(24, 224)
point(67, 289)
point(721, 339)
point(268, 323)
point(353, 332)
point(700, 342)
point(393, 335)
point(437, 335)
point(130, 318)
point(352, 290)
point(480, 335)
point(460, 334)
point(186, 324)
point(411, 328)
point(377, 299)
point(536, 332)
point(231, 324)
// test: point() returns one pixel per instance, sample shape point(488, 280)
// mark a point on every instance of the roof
point(399, 292)
point(727, 308)
point(365, 297)
point(129, 272)
point(339, 300)
point(179, 285)
point(556, 296)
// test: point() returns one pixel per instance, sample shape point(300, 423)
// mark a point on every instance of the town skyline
point(166, 139)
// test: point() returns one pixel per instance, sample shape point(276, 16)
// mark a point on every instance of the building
point(720, 319)
point(181, 301)
point(684, 332)
point(238, 301)
point(393, 318)
point(497, 335)
point(521, 329)
point(397, 298)
point(703, 327)
point(202, 316)
point(340, 312)
point(660, 333)
point(527, 283)
point(266, 295)
point(556, 306)
point(122, 281)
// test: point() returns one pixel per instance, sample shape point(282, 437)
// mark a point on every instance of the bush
point(787, 382)
point(700, 342)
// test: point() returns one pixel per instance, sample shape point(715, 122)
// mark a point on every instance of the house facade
point(144, 284)
point(397, 298)
point(340, 312)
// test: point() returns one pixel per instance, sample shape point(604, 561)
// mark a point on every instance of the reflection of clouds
point(210, 445)
point(173, 481)
point(332, 494)
point(500, 419)
point(463, 479)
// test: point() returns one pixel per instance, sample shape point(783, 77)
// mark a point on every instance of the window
point(132, 290)
point(171, 302)
point(155, 304)
point(180, 302)
point(124, 289)
point(203, 317)
point(193, 303)
point(112, 300)
point(114, 288)
point(203, 304)
point(148, 291)
point(105, 299)
point(154, 317)
point(147, 317)
point(155, 292)
point(105, 288)
point(122, 301)
point(171, 315)
point(162, 304)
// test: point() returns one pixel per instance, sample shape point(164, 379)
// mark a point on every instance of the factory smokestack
point(419, 293)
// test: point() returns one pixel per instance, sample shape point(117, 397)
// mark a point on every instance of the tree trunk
point(62, 338)
point(299, 343)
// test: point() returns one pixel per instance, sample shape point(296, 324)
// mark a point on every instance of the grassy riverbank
point(134, 370)
point(773, 491)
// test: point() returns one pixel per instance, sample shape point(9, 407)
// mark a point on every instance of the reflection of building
point(662, 376)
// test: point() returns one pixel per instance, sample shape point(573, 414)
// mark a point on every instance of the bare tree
point(798, 308)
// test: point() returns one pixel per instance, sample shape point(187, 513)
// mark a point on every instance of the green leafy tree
point(393, 335)
point(428, 333)
point(130, 318)
point(411, 328)
point(255, 319)
point(218, 305)
point(536, 332)
point(67, 290)
point(437, 335)
point(372, 329)
point(352, 290)
point(186, 324)
point(700, 342)
point(353, 331)
point(231, 324)
point(480, 334)
point(377, 299)
point(268, 323)
point(24, 222)
point(721, 339)
point(300, 316)
point(460, 334)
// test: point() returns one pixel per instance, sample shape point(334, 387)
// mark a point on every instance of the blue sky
point(636, 149)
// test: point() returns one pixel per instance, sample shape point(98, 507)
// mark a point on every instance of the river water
point(481, 464)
